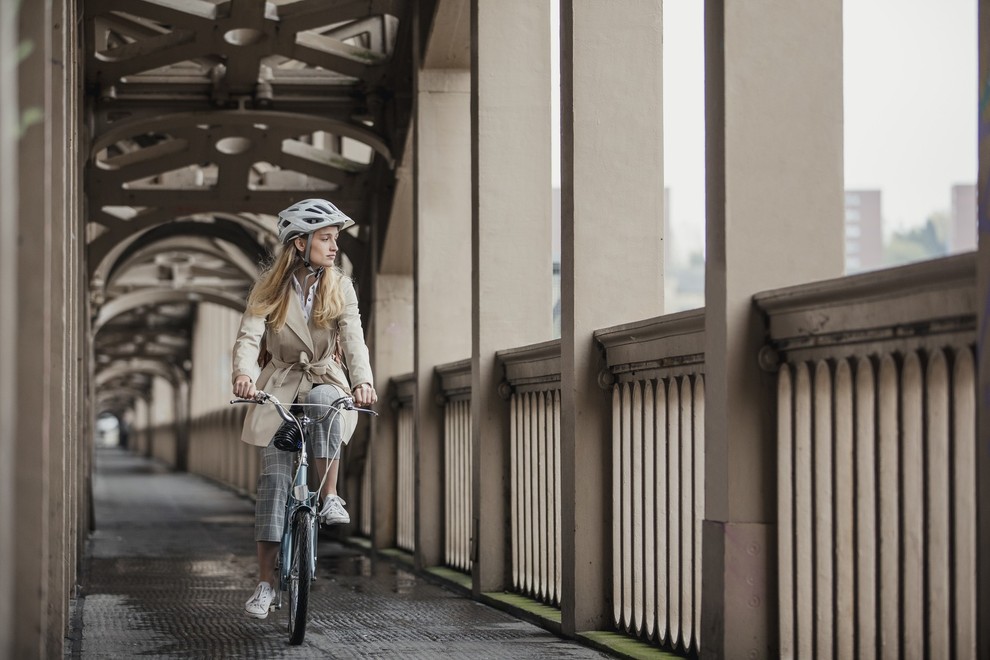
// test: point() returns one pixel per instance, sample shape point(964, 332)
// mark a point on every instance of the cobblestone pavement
point(172, 561)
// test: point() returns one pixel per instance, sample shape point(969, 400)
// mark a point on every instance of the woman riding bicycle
point(304, 311)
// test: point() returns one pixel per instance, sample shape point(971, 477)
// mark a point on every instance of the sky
point(910, 104)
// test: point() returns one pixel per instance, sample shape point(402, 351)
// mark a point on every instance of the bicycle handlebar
point(341, 404)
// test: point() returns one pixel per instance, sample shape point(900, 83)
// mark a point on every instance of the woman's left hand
point(365, 395)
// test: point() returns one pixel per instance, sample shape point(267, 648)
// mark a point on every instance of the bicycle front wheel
point(300, 573)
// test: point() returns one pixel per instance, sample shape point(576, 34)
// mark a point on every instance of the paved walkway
point(172, 562)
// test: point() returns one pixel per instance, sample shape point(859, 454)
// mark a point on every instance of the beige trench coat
point(301, 356)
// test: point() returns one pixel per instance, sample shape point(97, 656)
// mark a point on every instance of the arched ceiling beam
point(153, 345)
point(291, 124)
point(144, 297)
point(122, 393)
point(108, 251)
point(230, 231)
point(188, 245)
point(168, 371)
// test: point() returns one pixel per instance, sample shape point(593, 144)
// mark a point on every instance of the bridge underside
point(204, 120)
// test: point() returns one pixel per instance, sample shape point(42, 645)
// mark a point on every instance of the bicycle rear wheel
point(300, 573)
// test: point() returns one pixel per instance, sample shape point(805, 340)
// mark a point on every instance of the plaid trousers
point(277, 468)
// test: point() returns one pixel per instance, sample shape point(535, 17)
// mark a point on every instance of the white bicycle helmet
point(307, 216)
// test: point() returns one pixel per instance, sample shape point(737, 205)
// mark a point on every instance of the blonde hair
point(270, 295)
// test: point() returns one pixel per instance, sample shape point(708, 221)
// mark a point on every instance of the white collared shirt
point(306, 299)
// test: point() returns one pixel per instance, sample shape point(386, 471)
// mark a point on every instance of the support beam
point(9, 200)
point(773, 77)
point(511, 250)
point(442, 199)
point(180, 404)
point(611, 260)
point(983, 354)
point(32, 362)
point(393, 356)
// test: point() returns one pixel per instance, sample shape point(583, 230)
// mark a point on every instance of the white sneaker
point(333, 512)
point(259, 604)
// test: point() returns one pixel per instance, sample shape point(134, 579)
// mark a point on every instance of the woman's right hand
point(244, 387)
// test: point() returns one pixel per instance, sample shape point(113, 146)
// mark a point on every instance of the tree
point(920, 243)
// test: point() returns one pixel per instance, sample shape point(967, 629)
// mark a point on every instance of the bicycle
point(295, 564)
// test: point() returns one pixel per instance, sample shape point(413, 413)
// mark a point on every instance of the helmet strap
point(305, 253)
point(305, 257)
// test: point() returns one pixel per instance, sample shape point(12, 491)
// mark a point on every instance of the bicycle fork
point(300, 499)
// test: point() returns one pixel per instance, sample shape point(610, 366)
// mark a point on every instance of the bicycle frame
point(301, 498)
point(299, 495)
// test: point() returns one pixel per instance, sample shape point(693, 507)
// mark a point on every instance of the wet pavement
point(172, 561)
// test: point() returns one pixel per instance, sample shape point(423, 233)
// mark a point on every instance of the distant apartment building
point(864, 231)
point(962, 228)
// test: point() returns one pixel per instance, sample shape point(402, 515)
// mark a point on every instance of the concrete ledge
point(451, 578)
point(526, 609)
point(664, 346)
point(401, 389)
point(623, 646)
point(399, 555)
point(359, 541)
point(455, 379)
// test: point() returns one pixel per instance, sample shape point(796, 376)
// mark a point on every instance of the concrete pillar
point(983, 355)
point(442, 260)
point(60, 428)
point(180, 405)
point(393, 356)
point(32, 480)
point(9, 117)
point(511, 247)
point(773, 78)
point(441, 203)
point(611, 259)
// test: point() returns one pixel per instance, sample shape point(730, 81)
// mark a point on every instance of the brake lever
point(365, 410)
point(259, 398)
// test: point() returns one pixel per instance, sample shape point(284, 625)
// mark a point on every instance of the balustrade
point(405, 502)
point(455, 386)
point(216, 451)
point(655, 370)
point(532, 375)
point(365, 511)
point(877, 462)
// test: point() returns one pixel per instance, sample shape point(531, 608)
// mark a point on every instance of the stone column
point(983, 354)
point(511, 247)
point(61, 429)
point(775, 218)
point(32, 398)
point(9, 118)
point(182, 420)
point(393, 347)
point(442, 194)
point(611, 259)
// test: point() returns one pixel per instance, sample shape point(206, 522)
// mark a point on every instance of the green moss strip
point(401, 555)
point(623, 646)
point(360, 541)
point(527, 605)
point(450, 575)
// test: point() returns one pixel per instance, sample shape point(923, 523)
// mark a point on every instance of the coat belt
point(312, 370)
